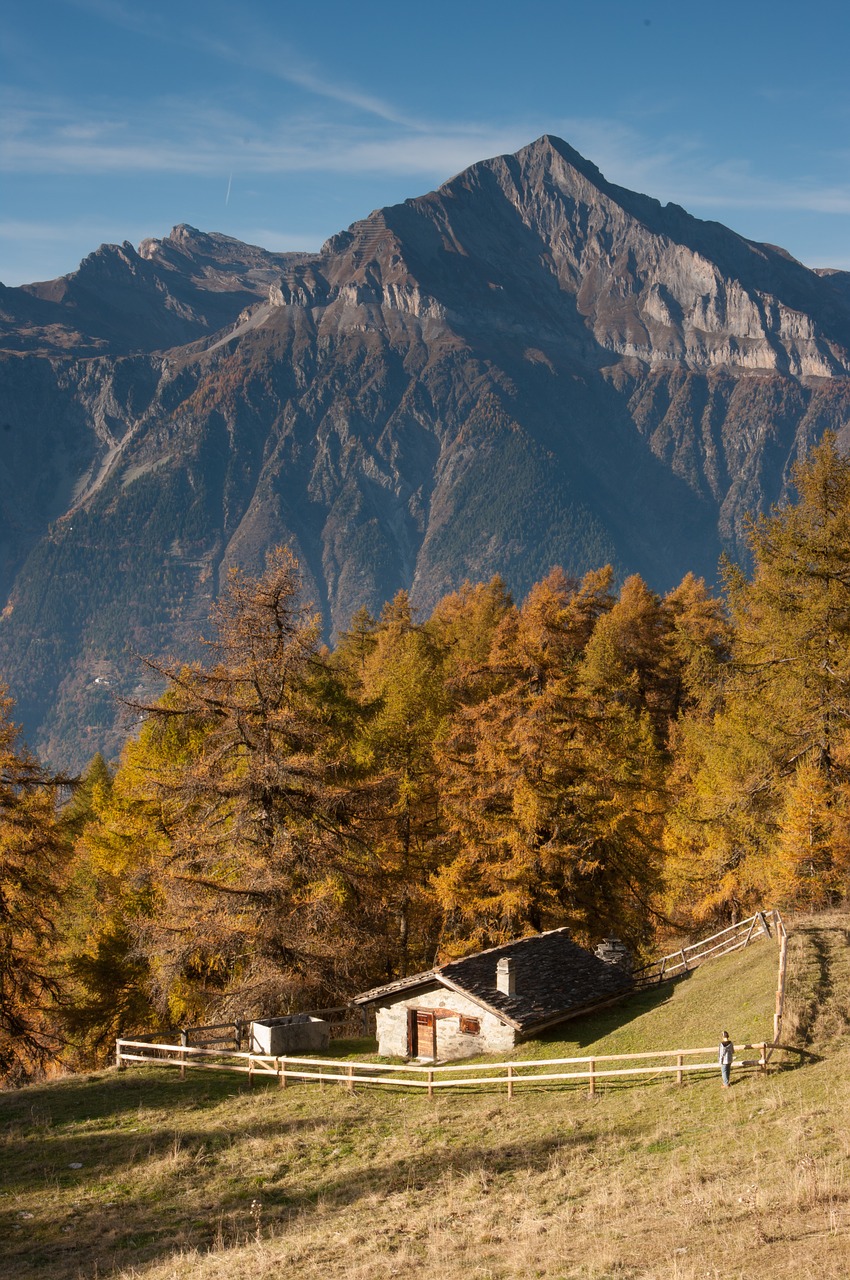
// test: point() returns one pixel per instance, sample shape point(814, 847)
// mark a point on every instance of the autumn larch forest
point(290, 823)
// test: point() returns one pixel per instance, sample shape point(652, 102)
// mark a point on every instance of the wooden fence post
point(780, 986)
point(350, 1083)
point(679, 1061)
point(250, 1072)
point(510, 1081)
point(119, 1059)
point(591, 1078)
point(430, 1084)
point(184, 1041)
point(282, 1072)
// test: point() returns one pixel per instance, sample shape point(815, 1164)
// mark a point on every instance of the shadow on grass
point(116, 1219)
point(590, 1027)
point(75, 1099)
point(34, 1121)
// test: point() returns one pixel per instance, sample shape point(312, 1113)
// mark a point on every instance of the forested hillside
point(290, 823)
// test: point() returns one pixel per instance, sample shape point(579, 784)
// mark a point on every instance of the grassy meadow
point(137, 1174)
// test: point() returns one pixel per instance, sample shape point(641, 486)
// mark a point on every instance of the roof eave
point(482, 1004)
point(401, 984)
point(552, 1020)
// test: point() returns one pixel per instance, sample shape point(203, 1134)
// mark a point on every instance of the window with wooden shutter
point(470, 1026)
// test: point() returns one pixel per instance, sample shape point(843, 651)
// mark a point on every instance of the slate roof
point(555, 978)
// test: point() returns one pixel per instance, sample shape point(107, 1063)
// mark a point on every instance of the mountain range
point(528, 366)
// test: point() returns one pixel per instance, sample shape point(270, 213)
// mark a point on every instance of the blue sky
point(282, 122)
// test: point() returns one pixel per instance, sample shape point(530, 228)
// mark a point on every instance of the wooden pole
point(119, 1060)
point(282, 1072)
point(679, 1061)
point(430, 1084)
point(510, 1081)
point(350, 1084)
point(591, 1078)
point(780, 986)
point(184, 1041)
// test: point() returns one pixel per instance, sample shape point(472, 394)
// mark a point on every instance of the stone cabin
point(490, 1001)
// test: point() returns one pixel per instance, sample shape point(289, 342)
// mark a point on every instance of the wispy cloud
point(185, 136)
point(333, 125)
point(680, 168)
point(181, 136)
point(285, 64)
point(245, 43)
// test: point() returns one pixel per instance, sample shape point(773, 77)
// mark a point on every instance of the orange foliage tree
point(33, 865)
point(763, 772)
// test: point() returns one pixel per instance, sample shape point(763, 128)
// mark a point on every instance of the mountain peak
point(548, 147)
point(526, 367)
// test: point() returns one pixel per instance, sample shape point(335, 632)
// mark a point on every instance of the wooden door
point(422, 1033)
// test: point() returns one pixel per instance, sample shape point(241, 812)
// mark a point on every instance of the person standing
point(725, 1054)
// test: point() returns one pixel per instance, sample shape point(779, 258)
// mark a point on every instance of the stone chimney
point(506, 976)
point(613, 951)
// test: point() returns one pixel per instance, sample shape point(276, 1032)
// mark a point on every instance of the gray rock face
point(170, 292)
point(528, 366)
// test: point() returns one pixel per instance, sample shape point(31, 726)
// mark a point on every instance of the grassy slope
point(203, 1180)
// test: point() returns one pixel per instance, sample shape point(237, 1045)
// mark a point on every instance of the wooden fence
point(412, 1076)
point(733, 938)
point(345, 1020)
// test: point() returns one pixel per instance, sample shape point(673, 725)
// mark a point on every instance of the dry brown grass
point(204, 1180)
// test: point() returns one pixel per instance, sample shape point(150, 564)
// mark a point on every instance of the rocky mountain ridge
point(122, 300)
point(527, 366)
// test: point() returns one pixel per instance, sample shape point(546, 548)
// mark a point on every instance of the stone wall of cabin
point(452, 1043)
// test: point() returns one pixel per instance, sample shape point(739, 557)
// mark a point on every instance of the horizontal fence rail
point(412, 1076)
point(344, 1020)
point(733, 938)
